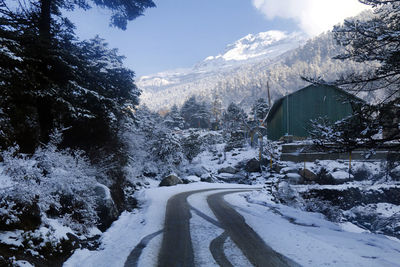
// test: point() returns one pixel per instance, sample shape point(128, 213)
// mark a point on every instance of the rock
point(191, 179)
point(207, 178)
point(228, 169)
point(171, 180)
point(277, 167)
point(342, 175)
point(287, 170)
point(106, 208)
point(395, 173)
point(253, 165)
point(197, 171)
point(308, 175)
point(294, 178)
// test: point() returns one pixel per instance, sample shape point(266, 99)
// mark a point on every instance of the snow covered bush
point(191, 145)
point(62, 183)
point(286, 194)
point(167, 148)
point(332, 213)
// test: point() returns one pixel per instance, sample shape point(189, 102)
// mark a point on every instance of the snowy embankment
point(309, 239)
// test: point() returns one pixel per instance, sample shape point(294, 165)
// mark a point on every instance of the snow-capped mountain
point(241, 72)
point(261, 46)
point(265, 45)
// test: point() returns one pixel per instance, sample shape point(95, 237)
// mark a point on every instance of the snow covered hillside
point(240, 74)
point(251, 49)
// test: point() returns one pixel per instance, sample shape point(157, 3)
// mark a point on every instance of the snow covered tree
point(260, 109)
point(167, 147)
point(216, 111)
point(375, 42)
point(234, 122)
point(191, 145)
point(234, 117)
point(44, 68)
point(196, 114)
point(173, 119)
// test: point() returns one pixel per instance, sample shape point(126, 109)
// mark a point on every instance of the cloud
point(313, 16)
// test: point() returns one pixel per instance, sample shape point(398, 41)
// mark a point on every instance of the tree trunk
point(45, 21)
point(44, 103)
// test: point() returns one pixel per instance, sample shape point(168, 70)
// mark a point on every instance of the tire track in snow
point(217, 250)
point(176, 247)
point(133, 258)
point(248, 241)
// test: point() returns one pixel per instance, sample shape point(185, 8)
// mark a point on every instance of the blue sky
point(179, 33)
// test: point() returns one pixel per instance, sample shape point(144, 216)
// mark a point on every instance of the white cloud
point(313, 16)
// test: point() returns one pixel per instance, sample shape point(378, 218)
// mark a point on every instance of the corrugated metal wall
point(293, 113)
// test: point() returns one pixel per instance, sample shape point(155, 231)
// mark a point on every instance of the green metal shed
point(291, 114)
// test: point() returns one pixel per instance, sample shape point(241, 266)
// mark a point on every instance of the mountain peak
point(266, 45)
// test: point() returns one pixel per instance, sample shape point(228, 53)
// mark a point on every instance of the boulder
point(191, 179)
point(294, 178)
point(395, 173)
point(308, 175)
point(342, 176)
point(207, 178)
point(171, 180)
point(287, 170)
point(197, 170)
point(253, 165)
point(106, 208)
point(228, 169)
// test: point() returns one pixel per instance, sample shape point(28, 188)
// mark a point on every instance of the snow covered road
point(204, 236)
point(177, 249)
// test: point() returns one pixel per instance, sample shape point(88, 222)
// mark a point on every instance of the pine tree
point(260, 109)
point(50, 80)
point(234, 117)
point(196, 114)
point(173, 119)
point(373, 41)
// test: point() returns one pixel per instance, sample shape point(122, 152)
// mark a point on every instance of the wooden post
point(261, 145)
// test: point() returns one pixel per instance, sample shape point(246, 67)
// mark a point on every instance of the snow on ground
point(309, 239)
point(12, 237)
point(125, 233)
point(202, 233)
point(212, 163)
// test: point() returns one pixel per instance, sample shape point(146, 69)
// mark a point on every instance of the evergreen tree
point(216, 112)
point(260, 109)
point(196, 114)
point(50, 80)
point(189, 108)
point(374, 41)
point(191, 145)
point(173, 119)
point(234, 117)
